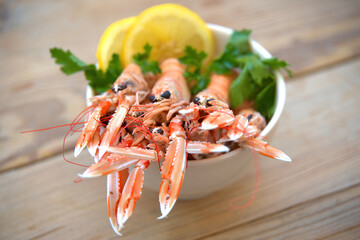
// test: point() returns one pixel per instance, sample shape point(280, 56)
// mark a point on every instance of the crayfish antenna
point(131, 193)
point(265, 149)
point(218, 119)
point(115, 185)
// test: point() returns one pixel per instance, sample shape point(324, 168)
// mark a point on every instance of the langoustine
point(243, 128)
point(171, 140)
point(164, 134)
point(128, 89)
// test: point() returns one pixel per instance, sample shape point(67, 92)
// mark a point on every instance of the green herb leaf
point(100, 81)
point(238, 44)
point(96, 78)
point(276, 64)
point(69, 62)
point(265, 100)
point(197, 81)
point(254, 77)
point(142, 59)
point(243, 88)
point(240, 40)
point(225, 62)
point(256, 82)
point(258, 71)
point(192, 58)
point(114, 68)
point(193, 61)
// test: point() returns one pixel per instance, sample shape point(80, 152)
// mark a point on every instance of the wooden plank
point(321, 135)
point(34, 94)
point(351, 234)
point(315, 219)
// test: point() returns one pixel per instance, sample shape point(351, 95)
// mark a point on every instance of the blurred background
point(316, 196)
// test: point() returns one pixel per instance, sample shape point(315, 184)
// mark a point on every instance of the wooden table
point(316, 196)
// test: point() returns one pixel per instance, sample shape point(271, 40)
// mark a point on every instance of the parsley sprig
point(237, 45)
point(193, 61)
point(142, 59)
point(98, 79)
point(256, 81)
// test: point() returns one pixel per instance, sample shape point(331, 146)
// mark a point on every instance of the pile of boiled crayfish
point(147, 119)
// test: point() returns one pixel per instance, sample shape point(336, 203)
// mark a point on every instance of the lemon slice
point(111, 41)
point(168, 28)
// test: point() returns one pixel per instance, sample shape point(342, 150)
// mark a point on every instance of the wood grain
point(35, 94)
point(315, 219)
point(319, 131)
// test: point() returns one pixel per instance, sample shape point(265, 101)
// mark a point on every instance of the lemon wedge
point(111, 41)
point(168, 28)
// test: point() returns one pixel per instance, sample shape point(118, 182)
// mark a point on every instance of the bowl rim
point(280, 98)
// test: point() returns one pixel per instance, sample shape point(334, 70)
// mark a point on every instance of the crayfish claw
point(173, 168)
point(131, 193)
point(238, 128)
point(218, 119)
point(166, 203)
point(91, 126)
point(107, 165)
point(115, 184)
point(205, 147)
point(114, 125)
point(265, 149)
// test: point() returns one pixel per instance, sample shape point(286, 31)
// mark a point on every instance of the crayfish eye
point(249, 117)
point(166, 94)
point(138, 114)
point(152, 98)
point(196, 100)
point(208, 101)
point(160, 131)
point(119, 87)
point(122, 86)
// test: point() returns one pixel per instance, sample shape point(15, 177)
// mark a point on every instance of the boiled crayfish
point(125, 129)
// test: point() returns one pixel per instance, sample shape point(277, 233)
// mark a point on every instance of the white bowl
point(203, 177)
